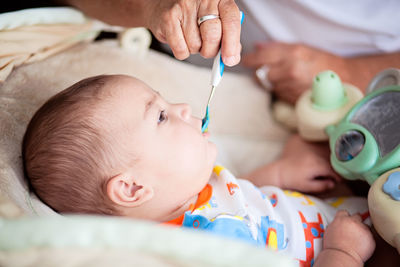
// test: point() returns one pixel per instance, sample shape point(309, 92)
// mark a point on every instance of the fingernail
point(231, 61)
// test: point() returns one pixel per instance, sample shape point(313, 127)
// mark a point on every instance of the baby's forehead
point(127, 85)
point(126, 96)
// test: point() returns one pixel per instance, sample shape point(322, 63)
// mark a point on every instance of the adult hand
point(293, 66)
point(303, 166)
point(175, 22)
point(306, 167)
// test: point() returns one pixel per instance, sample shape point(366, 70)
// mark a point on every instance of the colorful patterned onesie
point(283, 220)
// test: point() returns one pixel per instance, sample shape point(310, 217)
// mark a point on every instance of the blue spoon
point(216, 76)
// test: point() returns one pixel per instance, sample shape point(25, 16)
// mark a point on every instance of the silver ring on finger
point(262, 75)
point(205, 18)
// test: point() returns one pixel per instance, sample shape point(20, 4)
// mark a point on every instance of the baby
point(111, 145)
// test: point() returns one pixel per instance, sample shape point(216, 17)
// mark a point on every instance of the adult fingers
point(288, 82)
point(321, 177)
point(278, 72)
point(259, 58)
point(335, 176)
point(190, 28)
point(320, 185)
point(173, 33)
point(253, 60)
point(286, 91)
point(265, 54)
point(210, 30)
point(325, 169)
point(291, 70)
point(230, 19)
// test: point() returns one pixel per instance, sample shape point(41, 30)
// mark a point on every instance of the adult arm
point(293, 66)
point(175, 22)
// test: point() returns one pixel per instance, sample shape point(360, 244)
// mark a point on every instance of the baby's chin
point(213, 153)
point(212, 164)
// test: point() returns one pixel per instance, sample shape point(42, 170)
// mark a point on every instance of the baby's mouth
point(206, 134)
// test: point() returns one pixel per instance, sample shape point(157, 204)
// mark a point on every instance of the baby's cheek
point(214, 151)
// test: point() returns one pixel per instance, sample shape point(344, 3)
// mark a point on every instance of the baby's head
point(111, 145)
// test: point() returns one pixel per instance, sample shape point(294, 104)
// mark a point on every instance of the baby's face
point(171, 151)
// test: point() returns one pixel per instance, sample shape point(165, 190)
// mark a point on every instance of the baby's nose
point(185, 111)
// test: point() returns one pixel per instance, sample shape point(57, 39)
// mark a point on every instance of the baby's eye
point(163, 116)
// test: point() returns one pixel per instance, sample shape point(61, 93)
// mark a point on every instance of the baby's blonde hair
point(67, 158)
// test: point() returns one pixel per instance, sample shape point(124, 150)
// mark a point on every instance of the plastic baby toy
point(364, 138)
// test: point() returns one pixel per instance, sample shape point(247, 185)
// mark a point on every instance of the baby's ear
point(124, 191)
